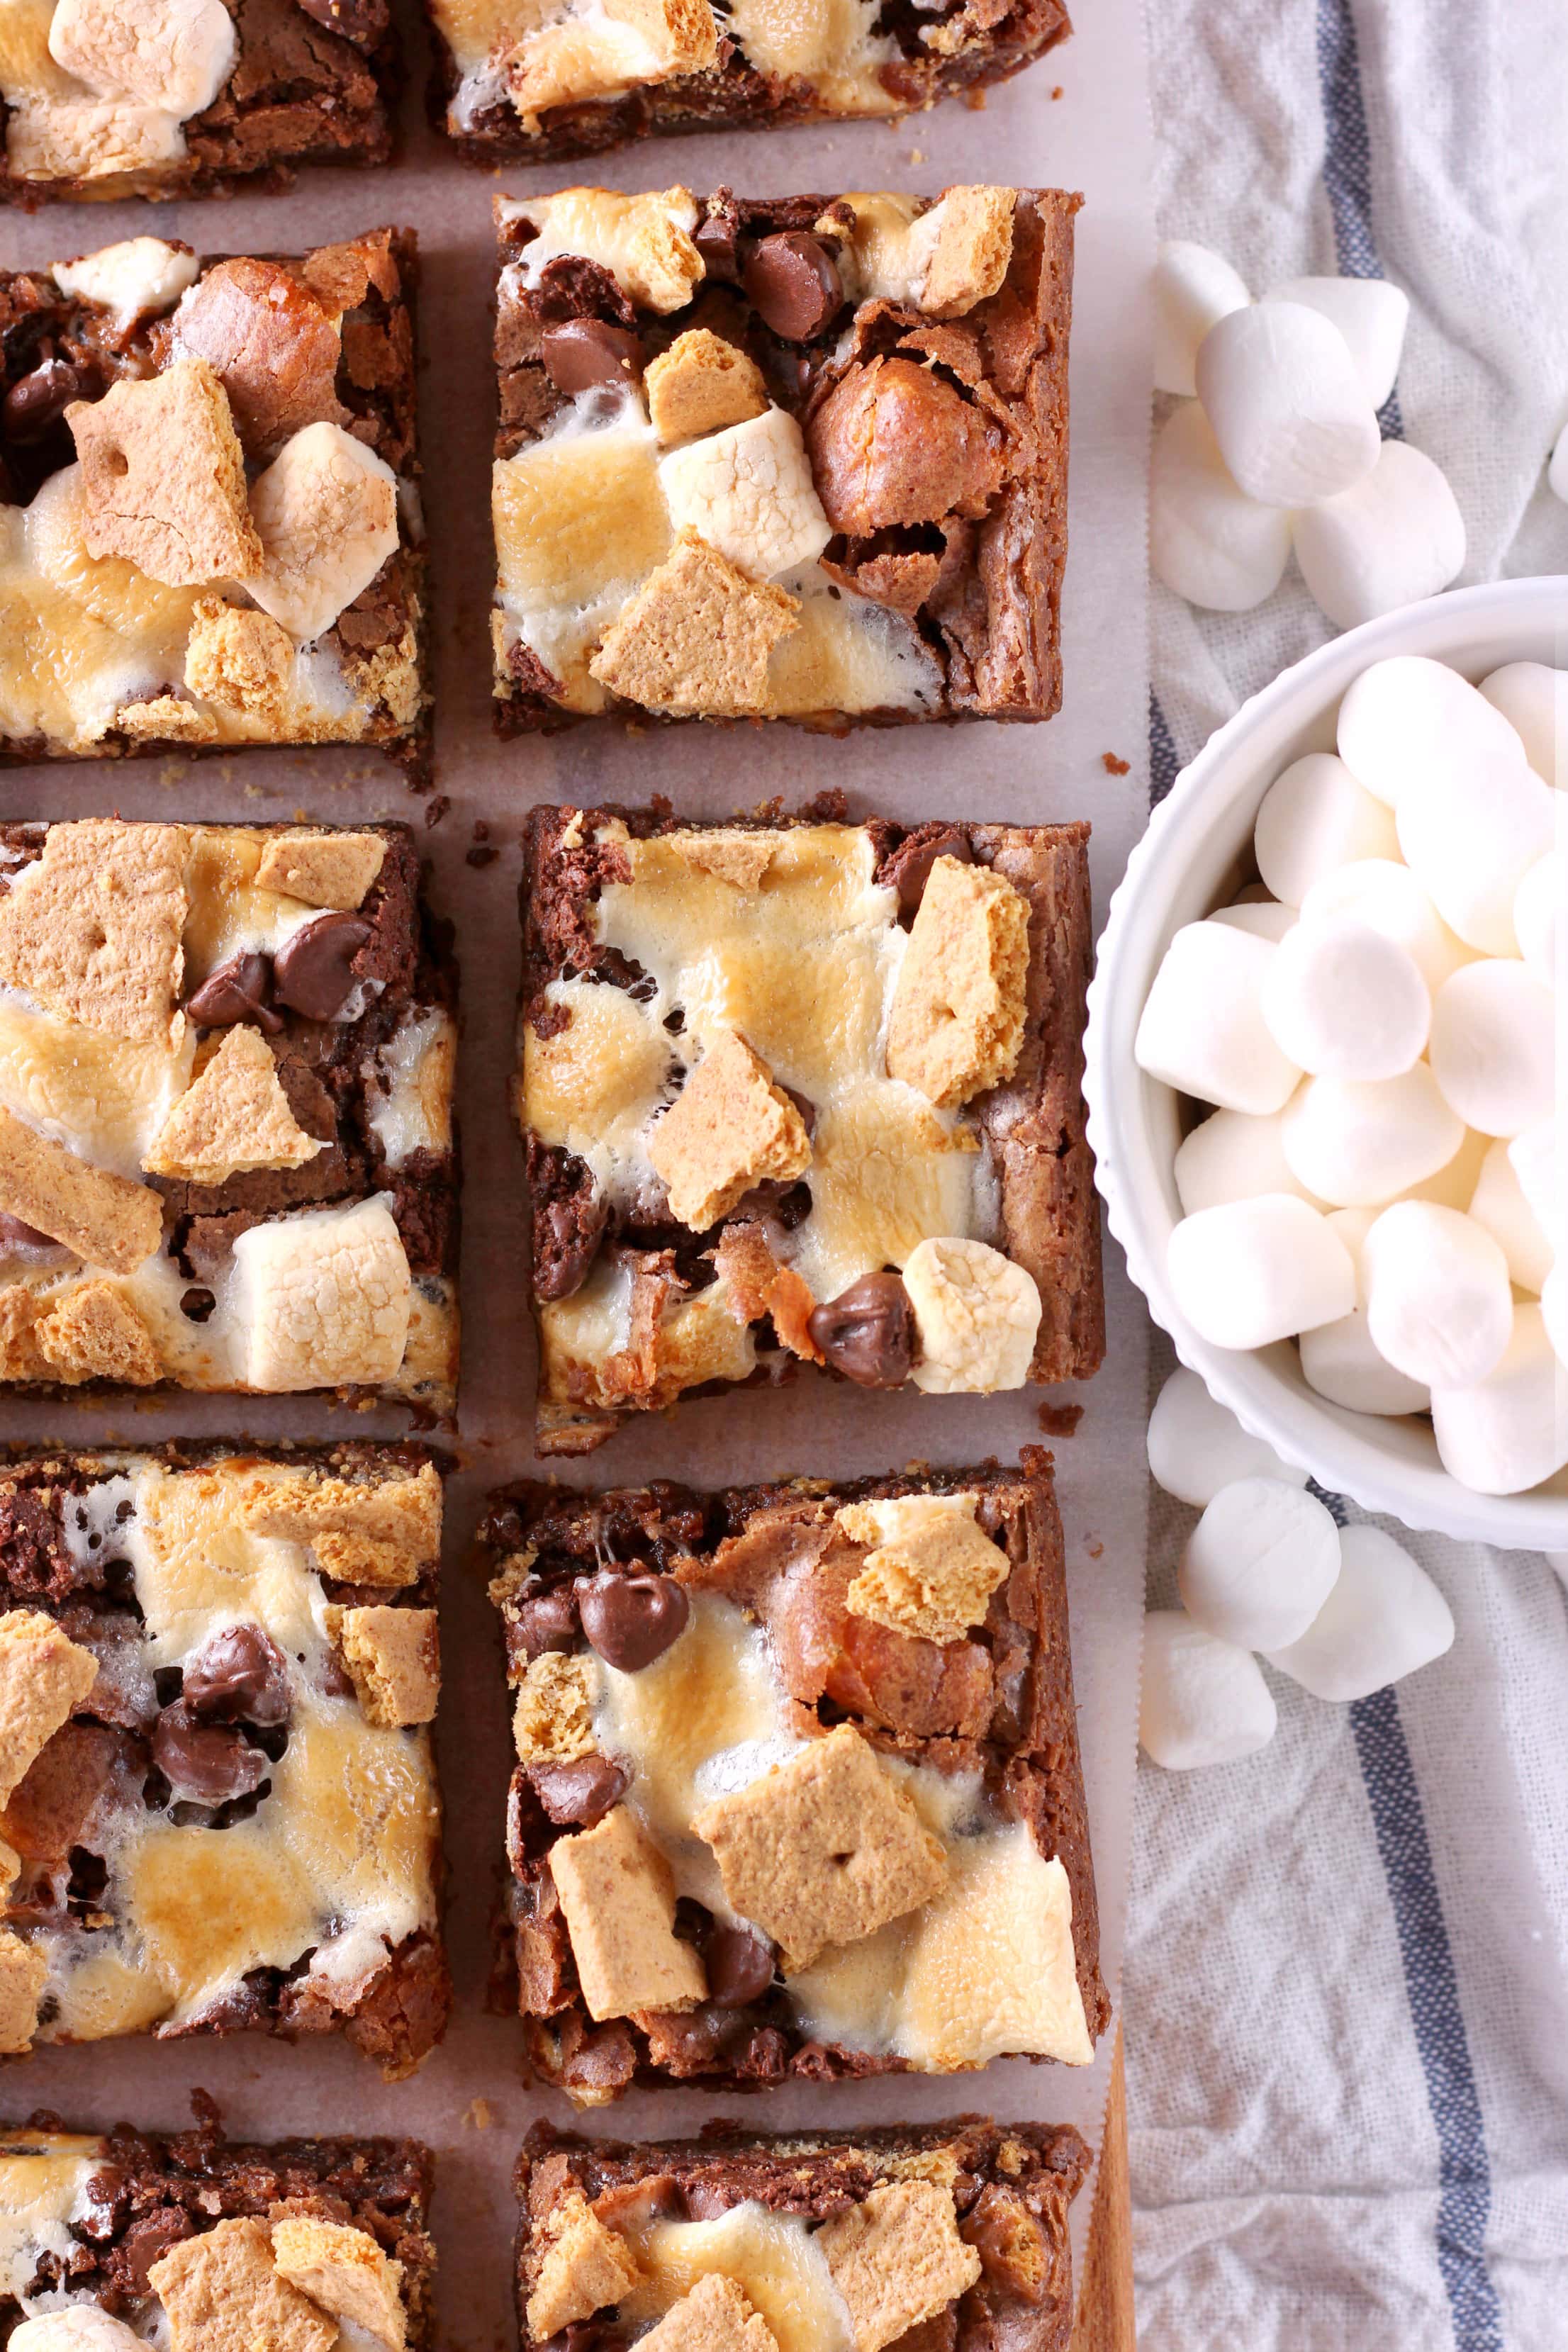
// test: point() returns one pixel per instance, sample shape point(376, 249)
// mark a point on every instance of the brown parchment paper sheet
point(470, 2101)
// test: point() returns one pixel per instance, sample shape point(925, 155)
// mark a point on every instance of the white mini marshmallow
point(132, 280)
point(1208, 542)
point(1347, 1001)
point(1280, 389)
point(1360, 1142)
point(1471, 839)
point(1507, 1432)
point(1252, 1272)
point(1395, 536)
point(1407, 720)
point(1314, 818)
point(1494, 1039)
point(1542, 1168)
point(1554, 1311)
point(1498, 1204)
point(1259, 1564)
point(1382, 1620)
point(1203, 1029)
point(1193, 288)
point(1266, 919)
point(1234, 1156)
point(1534, 701)
point(1196, 1446)
point(1371, 314)
point(1203, 1701)
point(1454, 1185)
point(1385, 894)
point(1557, 470)
point(1438, 1305)
point(1538, 905)
point(1339, 1359)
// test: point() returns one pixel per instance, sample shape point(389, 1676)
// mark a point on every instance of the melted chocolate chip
point(236, 991)
point(146, 2242)
point(579, 1792)
point(36, 401)
point(362, 22)
point(584, 352)
point(206, 1764)
point(197, 1302)
point(792, 283)
point(549, 1621)
point(716, 241)
point(631, 1620)
point(868, 1332)
point(739, 1966)
point(18, 1239)
point(239, 1676)
point(313, 970)
point(909, 870)
point(566, 1237)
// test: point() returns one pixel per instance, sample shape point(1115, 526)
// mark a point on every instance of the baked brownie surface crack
point(210, 531)
point(803, 1092)
point(226, 1156)
point(800, 458)
point(798, 1791)
point(218, 1792)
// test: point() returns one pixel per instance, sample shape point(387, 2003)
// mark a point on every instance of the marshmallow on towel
point(1471, 839)
point(1347, 1001)
point(1208, 542)
point(1371, 314)
point(1194, 287)
point(1196, 1446)
point(1494, 1044)
point(1281, 391)
point(1203, 1701)
point(1508, 1431)
point(1389, 540)
point(1382, 1620)
point(1339, 1359)
point(1256, 1271)
point(1438, 1305)
point(1534, 701)
point(1407, 721)
point(1384, 893)
point(1314, 818)
point(1202, 1030)
point(1359, 1142)
point(1259, 1564)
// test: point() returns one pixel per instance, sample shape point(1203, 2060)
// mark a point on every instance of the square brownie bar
point(220, 1813)
point(122, 97)
point(798, 1791)
point(801, 1090)
point(575, 80)
point(226, 1158)
point(210, 531)
point(797, 457)
point(192, 2239)
point(947, 2237)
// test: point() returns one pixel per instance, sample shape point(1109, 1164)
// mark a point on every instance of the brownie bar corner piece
point(716, 1697)
point(894, 368)
point(950, 2237)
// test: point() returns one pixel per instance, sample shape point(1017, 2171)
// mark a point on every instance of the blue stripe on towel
point(1347, 164)
point(1164, 765)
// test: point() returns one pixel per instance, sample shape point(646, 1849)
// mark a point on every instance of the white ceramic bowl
point(1196, 852)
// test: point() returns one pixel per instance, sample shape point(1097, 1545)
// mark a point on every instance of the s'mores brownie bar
point(210, 531)
point(947, 2237)
point(180, 97)
point(225, 1134)
point(798, 1090)
point(120, 2239)
point(217, 1791)
point(797, 1791)
point(798, 457)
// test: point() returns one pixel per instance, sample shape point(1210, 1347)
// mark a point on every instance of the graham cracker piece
point(107, 1220)
point(165, 719)
point(96, 1334)
point(617, 1896)
point(381, 1533)
point(43, 1675)
point(696, 637)
point(163, 476)
point(930, 1568)
point(585, 2265)
point(234, 1117)
point(323, 869)
point(716, 2317)
point(726, 853)
point(344, 2270)
point(700, 384)
point(240, 659)
point(21, 1359)
point(222, 2294)
point(957, 1022)
point(92, 929)
point(974, 248)
point(897, 2259)
point(394, 1657)
point(23, 1970)
point(729, 1127)
point(824, 1849)
point(553, 1722)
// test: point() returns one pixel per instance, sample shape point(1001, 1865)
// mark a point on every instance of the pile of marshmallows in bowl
point(1381, 1178)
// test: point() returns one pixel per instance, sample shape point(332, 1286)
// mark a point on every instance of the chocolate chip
point(313, 971)
point(198, 1303)
point(868, 1332)
point(362, 22)
point(36, 401)
point(566, 1237)
point(549, 1621)
point(909, 869)
point(631, 1620)
point(206, 1764)
point(716, 241)
point(739, 1966)
point(146, 2242)
point(239, 1676)
point(584, 352)
point(235, 990)
point(792, 282)
point(18, 1239)
point(581, 1792)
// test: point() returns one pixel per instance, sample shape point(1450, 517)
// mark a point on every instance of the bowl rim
point(1312, 1435)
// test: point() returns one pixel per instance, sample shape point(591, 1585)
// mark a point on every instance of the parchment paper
point(469, 2101)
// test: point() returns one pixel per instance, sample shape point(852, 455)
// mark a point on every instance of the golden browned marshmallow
point(644, 241)
point(324, 869)
point(322, 1296)
point(222, 2293)
point(957, 1020)
point(824, 1849)
point(22, 1970)
point(96, 1334)
point(716, 2317)
point(74, 139)
point(696, 637)
point(239, 659)
point(234, 1117)
point(107, 1220)
point(701, 383)
point(929, 1570)
point(165, 476)
point(326, 508)
point(553, 1722)
point(43, 1675)
point(977, 1315)
point(897, 2259)
point(748, 492)
point(344, 2270)
point(728, 1129)
point(393, 1657)
point(618, 1899)
point(627, 42)
point(92, 929)
point(173, 54)
point(973, 244)
point(584, 2266)
point(381, 1534)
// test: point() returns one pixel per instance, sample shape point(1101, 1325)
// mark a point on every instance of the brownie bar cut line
point(798, 1792)
point(952, 2236)
point(796, 458)
point(210, 527)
